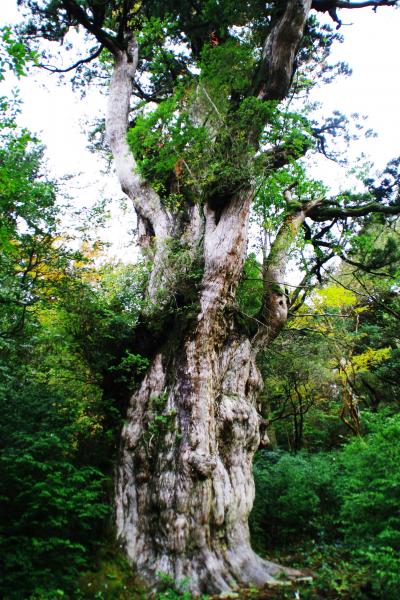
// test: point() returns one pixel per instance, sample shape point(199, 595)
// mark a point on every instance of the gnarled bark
point(186, 490)
point(280, 49)
point(185, 485)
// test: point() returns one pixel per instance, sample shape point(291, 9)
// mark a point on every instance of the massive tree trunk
point(184, 485)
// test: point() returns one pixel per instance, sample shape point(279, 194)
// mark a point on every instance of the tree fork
point(184, 486)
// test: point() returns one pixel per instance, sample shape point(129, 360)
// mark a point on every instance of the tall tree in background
point(208, 124)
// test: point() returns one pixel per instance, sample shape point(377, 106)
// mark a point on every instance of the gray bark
point(185, 487)
point(280, 50)
point(184, 484)
point(145, 200)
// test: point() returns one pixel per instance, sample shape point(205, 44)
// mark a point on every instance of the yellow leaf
point(335, 296)
point(361, 363)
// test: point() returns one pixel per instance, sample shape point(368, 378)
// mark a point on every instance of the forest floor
point(332, 577)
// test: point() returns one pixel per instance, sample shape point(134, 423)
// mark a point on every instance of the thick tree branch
point(76, 11)
point(276, 68)
point(143, 95)
point(282, 155)
point(324, 213)
point(275, 301)
point(147, 203)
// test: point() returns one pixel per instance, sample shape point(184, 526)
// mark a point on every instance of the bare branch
point(331, 6)
point(368, 3)
point(78, 63)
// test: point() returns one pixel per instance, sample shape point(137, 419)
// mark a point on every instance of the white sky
point(57, 115)
point(371, 47)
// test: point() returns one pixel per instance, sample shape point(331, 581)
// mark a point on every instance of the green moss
point(276, 289)
point(293, 206)
point(159, 422)
point(112, 579)
point(177, 294)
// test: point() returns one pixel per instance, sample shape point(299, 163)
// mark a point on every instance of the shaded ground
point(334, 577)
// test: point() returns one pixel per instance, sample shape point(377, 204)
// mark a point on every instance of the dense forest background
point(328, 482)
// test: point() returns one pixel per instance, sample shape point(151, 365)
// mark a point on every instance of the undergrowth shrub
point(295, 497)
point(52, 506)
point(343, 504)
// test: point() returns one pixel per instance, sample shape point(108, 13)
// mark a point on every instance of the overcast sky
point(58, 115)
point(371, 47)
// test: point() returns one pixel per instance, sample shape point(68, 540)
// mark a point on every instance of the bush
point(370, 486)
point(344, 504)
point(370, 500)
point(51, 505)
point(295, 497)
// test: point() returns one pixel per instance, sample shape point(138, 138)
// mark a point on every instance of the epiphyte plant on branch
point(196, 119)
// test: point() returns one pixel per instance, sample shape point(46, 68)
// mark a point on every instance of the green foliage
point(165, 144)
point(199, 142)
point(174, 590)
point(65, 373)
point(370, 486)
point(61, 399)
point(14, 55)
point(226, 69)
point(180, 158)
point(34, 259)
point(131, 363)
point(110, 577)
point(250, 288)
point(383, 564)
point(338, 511)
point(270, 204)
point(50, 503)
point(301, 398)
point(295, 497)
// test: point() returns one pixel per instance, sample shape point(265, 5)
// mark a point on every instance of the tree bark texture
point(184, 484)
